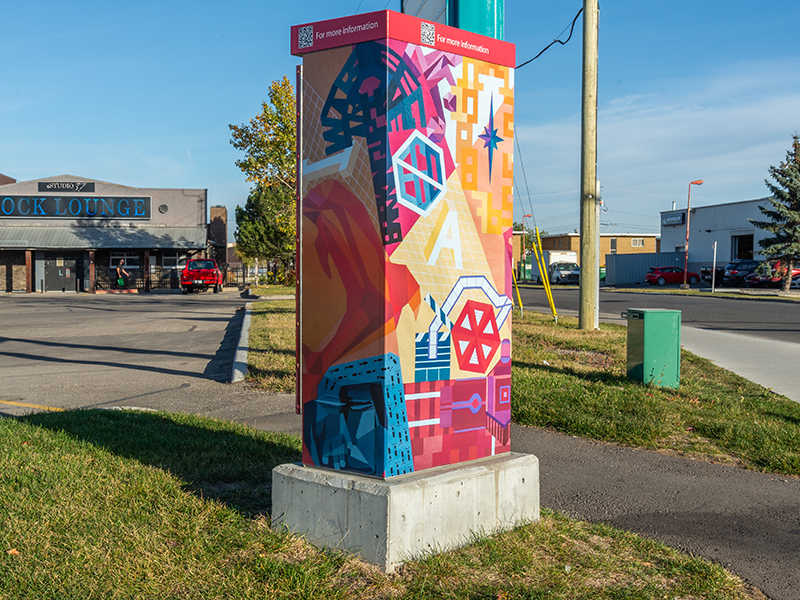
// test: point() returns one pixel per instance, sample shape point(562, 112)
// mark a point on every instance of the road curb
point(239, 370)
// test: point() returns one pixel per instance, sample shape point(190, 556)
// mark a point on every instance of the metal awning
point(40, 237)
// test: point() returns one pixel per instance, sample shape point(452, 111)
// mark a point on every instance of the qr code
point(305, 37)
point(428, 34)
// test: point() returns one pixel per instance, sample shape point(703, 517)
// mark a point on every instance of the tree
point(783, 213)
point(265, 227)
point(269, 140)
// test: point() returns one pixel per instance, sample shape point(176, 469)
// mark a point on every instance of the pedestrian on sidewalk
point(122, 274)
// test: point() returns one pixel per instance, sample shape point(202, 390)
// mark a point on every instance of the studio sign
point(61, 207)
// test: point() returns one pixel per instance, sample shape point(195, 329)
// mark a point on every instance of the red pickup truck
point(201, 274)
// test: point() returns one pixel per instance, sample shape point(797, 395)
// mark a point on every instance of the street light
point(688, 214)
point(524, 259)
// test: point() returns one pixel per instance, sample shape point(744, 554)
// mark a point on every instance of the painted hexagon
point(419, 173)
point(475, 336)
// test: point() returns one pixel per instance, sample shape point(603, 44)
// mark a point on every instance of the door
point(61, 273)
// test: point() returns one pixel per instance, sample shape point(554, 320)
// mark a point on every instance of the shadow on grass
point(216, 460)
point(595, 376)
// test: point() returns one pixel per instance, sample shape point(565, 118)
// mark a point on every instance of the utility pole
point(590, 276)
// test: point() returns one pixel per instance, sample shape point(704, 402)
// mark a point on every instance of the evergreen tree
point(783, 214)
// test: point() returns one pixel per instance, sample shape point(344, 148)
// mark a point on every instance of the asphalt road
point(162, 351)
point(770, 318)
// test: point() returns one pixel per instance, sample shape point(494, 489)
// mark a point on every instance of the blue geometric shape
point(490, 137)
point(432, 369)
point(419, 173)
point(358, 422)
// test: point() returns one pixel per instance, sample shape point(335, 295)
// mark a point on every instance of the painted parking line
point(24, 405)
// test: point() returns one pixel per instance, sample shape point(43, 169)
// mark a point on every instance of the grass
point(720, 292)
point(575, 382)
point(272, 290)
point(271, 354)
point(124, 504)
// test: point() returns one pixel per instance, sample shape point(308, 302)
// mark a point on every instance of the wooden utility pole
point(590, 276)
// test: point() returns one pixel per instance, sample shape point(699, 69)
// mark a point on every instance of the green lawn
point(575, 382)
point(123, 504)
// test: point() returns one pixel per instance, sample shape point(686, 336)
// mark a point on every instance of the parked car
point(773, 279)
point(735, 272)
point(706, 274)
point(201, 274)
point(565, 272)
point(778, 274)
point(665, 275)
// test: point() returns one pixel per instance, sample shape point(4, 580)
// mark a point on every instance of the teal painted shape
point(478, 16)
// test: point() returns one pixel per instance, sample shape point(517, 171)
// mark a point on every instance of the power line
point(525, 178)
point(555, 41)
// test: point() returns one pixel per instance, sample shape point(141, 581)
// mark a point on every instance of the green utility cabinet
point(654, 346)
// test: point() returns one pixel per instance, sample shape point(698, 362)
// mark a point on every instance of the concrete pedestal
point(388, 522)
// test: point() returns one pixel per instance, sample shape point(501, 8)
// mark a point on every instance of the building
point(726, 224)
point(610, 243)
point(69, 233)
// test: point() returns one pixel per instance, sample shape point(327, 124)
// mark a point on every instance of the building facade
point(68, 233)
point(726, 224)
point(610, 243)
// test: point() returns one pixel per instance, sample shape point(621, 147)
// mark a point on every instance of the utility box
point(405, 219)
point(654, 346)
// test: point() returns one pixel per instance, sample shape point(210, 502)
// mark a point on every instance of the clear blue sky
point(141, 94)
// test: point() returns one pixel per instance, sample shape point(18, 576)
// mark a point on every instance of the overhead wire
point(555, 41)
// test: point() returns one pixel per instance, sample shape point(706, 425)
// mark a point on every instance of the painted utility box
point(406, 260)
point(654, 346)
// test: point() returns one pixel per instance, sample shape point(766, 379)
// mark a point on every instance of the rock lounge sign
point(64, 207)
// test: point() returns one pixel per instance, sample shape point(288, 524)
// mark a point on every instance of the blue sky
point(142, 93)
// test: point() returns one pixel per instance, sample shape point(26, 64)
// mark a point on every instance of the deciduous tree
point(265, 226)
point(268, 141)
point(783, 214)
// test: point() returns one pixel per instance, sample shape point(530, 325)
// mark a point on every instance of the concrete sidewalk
point(770, 363)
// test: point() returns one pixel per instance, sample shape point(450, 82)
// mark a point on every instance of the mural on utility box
point(407, 217)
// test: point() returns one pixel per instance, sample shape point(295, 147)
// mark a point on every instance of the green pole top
point(484, 17)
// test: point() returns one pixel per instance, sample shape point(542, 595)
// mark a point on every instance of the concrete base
point(388, 522)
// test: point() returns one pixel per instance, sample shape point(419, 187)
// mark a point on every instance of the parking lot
point(161, 351)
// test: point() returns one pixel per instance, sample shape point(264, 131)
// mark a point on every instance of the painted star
point(490, 137)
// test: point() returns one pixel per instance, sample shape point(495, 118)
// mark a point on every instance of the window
point(613, 242)
point(637, 242)
point(131, 259)
point(173, 260)
point(742, 246)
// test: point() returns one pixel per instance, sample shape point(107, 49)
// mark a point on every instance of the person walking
point(122, 274)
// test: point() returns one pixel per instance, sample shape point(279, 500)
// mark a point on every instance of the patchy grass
point(720, 292)
point(271, 353)
point(125, 504)
point(272, 290)
point(575, 382)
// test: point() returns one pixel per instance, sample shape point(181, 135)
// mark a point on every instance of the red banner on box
point(344, 31)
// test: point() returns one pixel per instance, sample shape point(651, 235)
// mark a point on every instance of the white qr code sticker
point(305, 37)
point(428, 34)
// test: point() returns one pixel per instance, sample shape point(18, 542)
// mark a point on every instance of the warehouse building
point(68, 233)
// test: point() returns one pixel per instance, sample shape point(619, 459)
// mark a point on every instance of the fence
point(160, 279)
point(631, 268)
